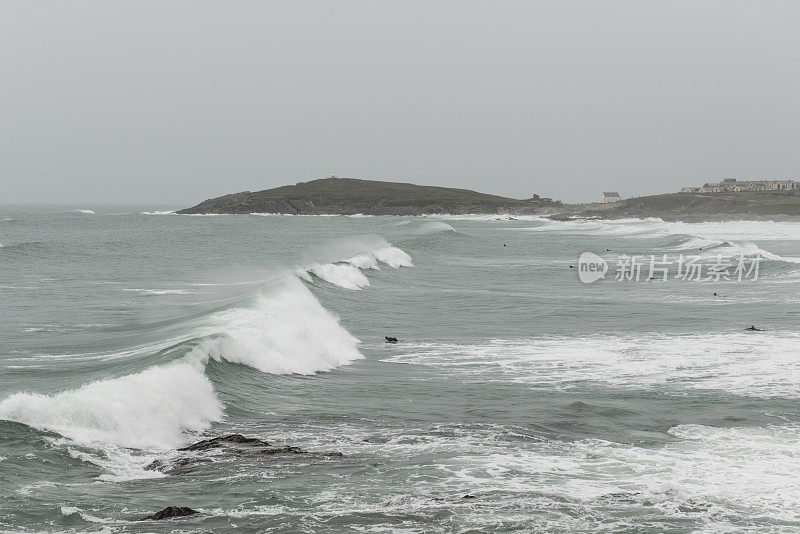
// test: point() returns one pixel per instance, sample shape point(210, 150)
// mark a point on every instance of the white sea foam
point(434, 227)
point(485, 217)
point(264, 214)
point(159, 291)
point(286, 331)
point(150, 409)
point(739, 363)
point(393, 257)
point(364, 261)
point(718, 473)
point(703, 476)
point(347, 274)
point(706, 232)
point(339, 274)
point(158, 213)
point(710, 240)
point(86, 212)
point(74, 510)
point(736, 250)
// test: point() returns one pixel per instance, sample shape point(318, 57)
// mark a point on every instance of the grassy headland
point(348, 196)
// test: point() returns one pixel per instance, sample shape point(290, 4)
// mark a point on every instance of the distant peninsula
point(350, 196)
point(699, 206)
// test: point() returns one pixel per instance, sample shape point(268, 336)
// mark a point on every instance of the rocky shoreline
point(233, 445)
point(348, 196)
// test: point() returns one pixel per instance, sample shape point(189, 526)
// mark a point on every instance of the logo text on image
point(591, 267)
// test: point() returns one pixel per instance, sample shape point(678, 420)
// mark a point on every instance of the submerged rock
point(222, 441)
point(235, 445)
point(170, 511)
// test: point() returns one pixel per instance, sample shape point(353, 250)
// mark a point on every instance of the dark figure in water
point(390, 339)
point(753, 328)
point(571, 266)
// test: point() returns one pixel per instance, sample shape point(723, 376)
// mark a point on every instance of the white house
point(607, 197)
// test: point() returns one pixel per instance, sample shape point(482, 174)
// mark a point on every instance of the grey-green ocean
point(517, 399)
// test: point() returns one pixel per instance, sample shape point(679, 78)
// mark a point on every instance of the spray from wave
point(710, 240)
point(150, 409)
point(284, 330)
point(358, 255)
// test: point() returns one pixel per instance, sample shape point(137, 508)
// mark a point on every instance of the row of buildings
point(732, 184)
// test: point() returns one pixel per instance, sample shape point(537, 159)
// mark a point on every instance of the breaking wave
point(150, 409)
point(710, 240)
point(346, 273)
point(283, 330)
point(85, 212)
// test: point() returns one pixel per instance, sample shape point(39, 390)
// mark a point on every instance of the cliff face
point(347, 196)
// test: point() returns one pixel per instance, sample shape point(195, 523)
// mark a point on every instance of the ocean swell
point(346, 273)
point(286, 330)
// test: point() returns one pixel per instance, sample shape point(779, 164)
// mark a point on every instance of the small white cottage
point(609, 196)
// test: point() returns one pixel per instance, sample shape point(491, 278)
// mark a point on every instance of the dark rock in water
point(215, 443)
point(390, 339)
point(234, 445)
point(282, 450)
point(170, 511)
point(468, 496)
point(694, 507)
point(179, 466)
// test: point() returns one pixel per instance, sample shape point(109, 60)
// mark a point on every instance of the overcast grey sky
point(174, 102)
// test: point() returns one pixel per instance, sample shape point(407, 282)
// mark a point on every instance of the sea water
point(518, 398)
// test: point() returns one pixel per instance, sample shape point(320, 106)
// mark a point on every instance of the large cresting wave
point(283, 330)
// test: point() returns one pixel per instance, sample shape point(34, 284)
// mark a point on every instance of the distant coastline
point(350, 196)
point(741, 205)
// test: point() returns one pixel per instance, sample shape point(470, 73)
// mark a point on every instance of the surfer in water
point(390, 339)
